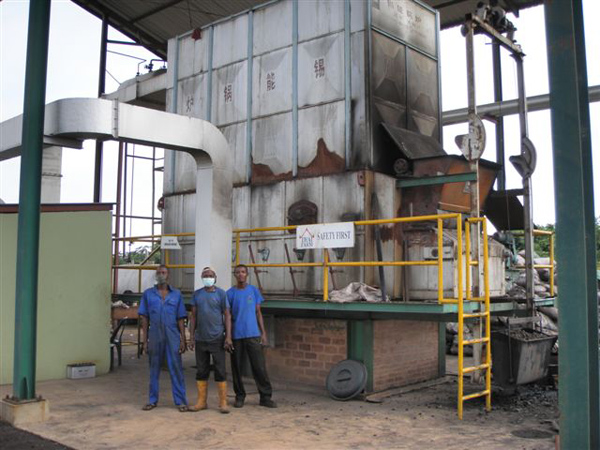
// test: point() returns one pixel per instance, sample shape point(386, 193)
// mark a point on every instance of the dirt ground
point(104, 413)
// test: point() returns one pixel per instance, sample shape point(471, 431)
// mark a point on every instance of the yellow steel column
point(325, 275)
point(460, 314)
point(488, 345)
point(440, 244)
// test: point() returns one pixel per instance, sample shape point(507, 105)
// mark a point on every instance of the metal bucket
point(520, 359)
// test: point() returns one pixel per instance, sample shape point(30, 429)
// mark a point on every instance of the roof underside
point(152, 23)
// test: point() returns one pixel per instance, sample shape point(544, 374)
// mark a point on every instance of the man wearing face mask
point(210, 328)
point(162, 313)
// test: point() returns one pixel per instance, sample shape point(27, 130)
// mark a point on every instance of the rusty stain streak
point(325, 163)
point(262, 174)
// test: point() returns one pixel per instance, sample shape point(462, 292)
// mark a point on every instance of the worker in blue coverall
point(162, 313)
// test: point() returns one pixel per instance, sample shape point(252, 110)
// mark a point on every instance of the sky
point(73, 72)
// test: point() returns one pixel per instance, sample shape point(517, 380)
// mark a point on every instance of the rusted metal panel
point(321, 70)
point(230, 41)
point(272, 83)
point(360, 145)
point(272, 148)
point(273, 27)
point(453, 197)
point(229, 94)
point(407, 20)
point(423, 104)
point(321, 141)
point(317, 18)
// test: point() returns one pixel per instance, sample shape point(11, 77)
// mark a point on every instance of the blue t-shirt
point(210, 308)
point(242, 303)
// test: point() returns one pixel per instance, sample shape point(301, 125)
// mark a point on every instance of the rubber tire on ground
point(346, 380)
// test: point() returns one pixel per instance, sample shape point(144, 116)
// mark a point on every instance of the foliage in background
point(139, 255)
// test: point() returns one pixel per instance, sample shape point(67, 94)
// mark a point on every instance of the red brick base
point(306, 349)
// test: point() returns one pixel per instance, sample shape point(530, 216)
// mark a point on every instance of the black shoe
point(268, 403)
point(239, 402)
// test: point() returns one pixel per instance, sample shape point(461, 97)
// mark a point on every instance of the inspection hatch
point(346, 379)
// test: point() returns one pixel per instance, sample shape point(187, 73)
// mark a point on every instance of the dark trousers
point(204, 350)
point(254, 350)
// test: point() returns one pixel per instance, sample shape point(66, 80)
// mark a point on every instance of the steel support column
point(360, 346)
point(101, 89)
point(574, 198)
point(29, 201)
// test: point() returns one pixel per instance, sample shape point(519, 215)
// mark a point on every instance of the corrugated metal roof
point(153, 22)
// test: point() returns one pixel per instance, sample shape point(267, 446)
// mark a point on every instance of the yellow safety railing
point(326, 264)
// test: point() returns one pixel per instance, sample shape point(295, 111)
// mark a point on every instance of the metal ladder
point(483, 318)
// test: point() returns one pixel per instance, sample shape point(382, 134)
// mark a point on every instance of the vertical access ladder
point(482, 317)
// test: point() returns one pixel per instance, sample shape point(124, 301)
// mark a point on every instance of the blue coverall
point(164, 339)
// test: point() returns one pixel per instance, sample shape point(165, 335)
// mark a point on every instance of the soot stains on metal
point(326, 162)
point(302, 212)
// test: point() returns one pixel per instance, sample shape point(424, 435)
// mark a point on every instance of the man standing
point(162, 313)
point(249, 337)
point(210, 327)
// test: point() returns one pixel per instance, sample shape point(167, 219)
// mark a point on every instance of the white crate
point(81, 370)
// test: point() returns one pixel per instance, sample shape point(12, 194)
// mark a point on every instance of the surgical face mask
point(208, 282)
point(161, 279)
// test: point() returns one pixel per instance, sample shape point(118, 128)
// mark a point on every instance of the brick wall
point(306, 349)
point(405, 352)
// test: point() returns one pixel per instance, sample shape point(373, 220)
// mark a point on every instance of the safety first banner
point(329, 235)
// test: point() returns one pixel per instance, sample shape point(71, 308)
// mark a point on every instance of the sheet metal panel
point(230, 41)
point(408, 21)
point(267, 205)
point(185, 169)
point(423, 102)
point(273, 27)
point(357, 15)
point(321, 70)
point(181, 218)
point(317, 18)
point(236, 138)
point(272, 83)
point(241, 207)
point(229, 94)
point(193, 56)
point(191, 97)
point(388, 103)
point(321, 142)
point(272, 148)
point(359, 156)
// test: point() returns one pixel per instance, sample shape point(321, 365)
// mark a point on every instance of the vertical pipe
point(29, 201)
point(295, 88)
point(101, 90)
point(118, 220)
point(498, 96)
point(527, 204)
point(575, 228)
point(249, 97)
point(347, 82)
point(125, 159)
point(174, 107)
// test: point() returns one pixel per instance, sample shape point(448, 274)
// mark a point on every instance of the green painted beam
point(440, 179)
point(579, 401)
point(360, 346)
point(29, 201)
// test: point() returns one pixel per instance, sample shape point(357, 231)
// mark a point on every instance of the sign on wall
point(169, 243)
point(330, 235)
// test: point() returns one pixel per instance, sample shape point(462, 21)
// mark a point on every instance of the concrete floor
point(104, 413)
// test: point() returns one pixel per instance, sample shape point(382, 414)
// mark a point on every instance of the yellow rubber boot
point(222, 387)
point(202, 390)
